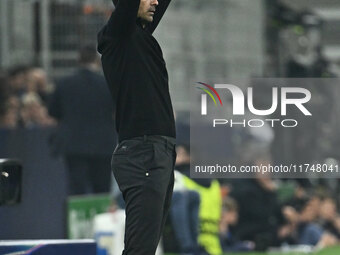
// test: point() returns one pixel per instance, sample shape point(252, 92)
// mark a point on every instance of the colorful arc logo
point(209, 93)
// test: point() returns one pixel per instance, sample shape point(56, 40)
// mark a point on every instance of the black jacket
point(136, 73)
point(83, 106)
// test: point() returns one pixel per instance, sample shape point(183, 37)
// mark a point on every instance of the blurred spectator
point(9, 105)
point(308, 232)
point(330, 220)
point(185, 207)
point(184, 218)
point(37, 82)
point(24, 98)
point(17, 78)
point(209, 210)
point(85, 137)
point(10, 117)
point(182, 128)
point(229, 218)
point(33, 113)
point(301, 227)
point(257, 224)
point(183, 163)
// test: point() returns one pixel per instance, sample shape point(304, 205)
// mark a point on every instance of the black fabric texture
point(136, 73)
point(83, 106)
point(144, 171)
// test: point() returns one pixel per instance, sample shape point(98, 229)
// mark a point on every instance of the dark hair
point(302, 203)
point(16, 70)
point(88, 54)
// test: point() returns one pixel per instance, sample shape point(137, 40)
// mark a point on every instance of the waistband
point(167, 140)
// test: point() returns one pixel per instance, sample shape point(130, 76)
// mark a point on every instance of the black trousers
point(144, 170)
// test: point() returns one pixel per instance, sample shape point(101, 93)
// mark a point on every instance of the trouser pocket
point(131, 162)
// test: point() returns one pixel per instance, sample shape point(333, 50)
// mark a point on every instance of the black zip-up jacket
point(136, 73)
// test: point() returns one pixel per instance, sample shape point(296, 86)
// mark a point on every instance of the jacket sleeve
point(121, 22)
point(123, 18)
point(54, 104)
point(160, 10)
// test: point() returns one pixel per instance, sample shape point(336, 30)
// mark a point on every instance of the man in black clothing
point(143, 161)
point(85, 136)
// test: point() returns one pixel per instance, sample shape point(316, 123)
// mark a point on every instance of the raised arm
point(123, 19)
point(160, 10)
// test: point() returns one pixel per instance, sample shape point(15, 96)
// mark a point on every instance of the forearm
point(123, 18)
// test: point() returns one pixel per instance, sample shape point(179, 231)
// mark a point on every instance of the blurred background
point(44, 42)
